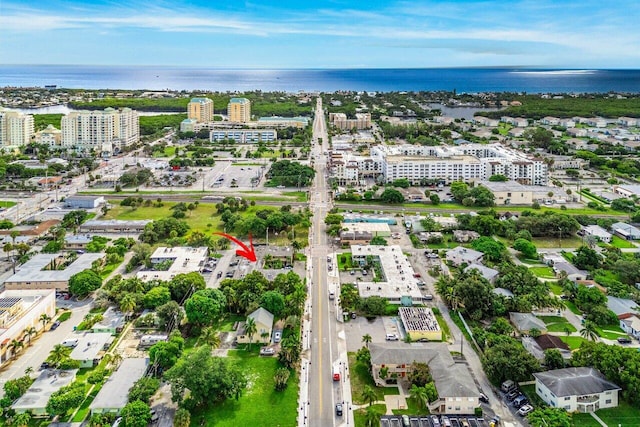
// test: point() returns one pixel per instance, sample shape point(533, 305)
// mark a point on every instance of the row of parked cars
point(516, 398)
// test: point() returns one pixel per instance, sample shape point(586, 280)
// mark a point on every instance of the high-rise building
point(239, 110)
point(106, 132)
point(200, 109)
point(15, 128)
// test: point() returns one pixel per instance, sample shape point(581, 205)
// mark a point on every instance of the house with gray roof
point(488, 273)
point(622, 305)
point(264, 326)
point(90, 348)
point(525, 322)
point(461, 255)
point(573, 273)
point(457, 391)
point(112, 397)
point(576, 389)
point(112, 322)
point(503, 291)
point(37, 396)
point(626, 231)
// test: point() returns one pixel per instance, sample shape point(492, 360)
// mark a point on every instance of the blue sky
point(322, 33)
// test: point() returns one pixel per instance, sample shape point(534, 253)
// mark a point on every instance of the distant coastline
point(330, 80)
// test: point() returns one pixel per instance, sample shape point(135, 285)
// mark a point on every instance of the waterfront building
point(239, 110)
point(16, 129)
point(107, 131)
point(200, 109)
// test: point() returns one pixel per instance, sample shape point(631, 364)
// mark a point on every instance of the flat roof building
point(420, 323)
point(90, 348)
point(37, 396)
point(398, 284)
point(598, 232)
point(113, 396)
point(34, 274)
point(375, 228)
point(83, 202)
point(114, 226)
point(184, 260)
point(20, 310)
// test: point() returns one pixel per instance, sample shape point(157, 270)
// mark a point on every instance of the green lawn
point(413, 408)
point(624, 415)
point(557, 323)
point(84, 407)
point(444, 326)
point(260, 404)
point(6, 204)
point(573, 342)
point(361, 377)
point(555, 288)
point(611, 332)
point(344, 261)
point(300, 196)
point(227, 324)
point(543, 272)
point(585, 420)
point(621, 243)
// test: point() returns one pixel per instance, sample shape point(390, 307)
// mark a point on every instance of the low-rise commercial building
point(40, 272)
point(375, 228)
point(84, 202)
point(243, 136)
point(183, 260)
point(420, 323)
point(20, 310)
point(114, 226)
point(626, 231)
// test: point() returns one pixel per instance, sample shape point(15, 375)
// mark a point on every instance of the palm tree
point(419, 394)
point(210, 337)
point(29, 370)
point(27, 333)
point(369, 395)
point(366, 338)
point(15, 346)
point(45, 318)
point(371, 417)
point(58, 354)
point(567, 330)
point(116, 359)
point(250, 329)
point(589, 331)
point(128, 304)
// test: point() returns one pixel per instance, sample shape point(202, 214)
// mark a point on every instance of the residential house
point(628, 121)
point(580, 389)
point(112, 322)
point(457, 392)
point(598, 232)
point(537, 346)
point(463, 236)
point(525, 322)
point(35, 399)
point(503, 291)
point(621, 305)
point(90, 348)
point(264, 326)
point(573, 273)
point(461, 255)
point(113, 396)
point(630, 323)
point(77, 241)
point(488, 273)
point(626, 231)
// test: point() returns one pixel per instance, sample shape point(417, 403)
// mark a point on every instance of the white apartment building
point(200, 109)
point(239, 110)
point(468, 162)
point(339, 120)
point(15, 128)
point(244, 136)
point(49, 136)
point(349, 169)
point(107, 131)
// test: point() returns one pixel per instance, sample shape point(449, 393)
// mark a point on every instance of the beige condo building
point(239, 110)
point(107, 131)
point(200, 109)
point(15, 128)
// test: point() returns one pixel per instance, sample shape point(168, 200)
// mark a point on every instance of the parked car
point(524, 410)
point(54, 325)
point(267, 351)
point(277, 336)
point(392, 337)
point(219, 275)
point(520, 401)
point(339, 409)
point(44, 365)
point(483, 398)
point(624, 340)
point(435, 421)
point(512, 395)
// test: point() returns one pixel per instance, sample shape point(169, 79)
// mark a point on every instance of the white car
point(267, 351)
point(392, 337)
point(525, 410)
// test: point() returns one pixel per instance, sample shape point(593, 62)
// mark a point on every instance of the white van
point(70, 342)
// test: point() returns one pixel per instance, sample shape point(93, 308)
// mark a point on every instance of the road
point(323, 391)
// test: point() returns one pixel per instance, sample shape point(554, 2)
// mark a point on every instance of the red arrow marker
point(247, 252)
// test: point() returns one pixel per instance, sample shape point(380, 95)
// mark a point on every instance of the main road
point(323, 392)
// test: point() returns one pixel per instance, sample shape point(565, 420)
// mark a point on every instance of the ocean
point(470, 80)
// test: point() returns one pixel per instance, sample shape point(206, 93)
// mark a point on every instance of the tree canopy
point(83, 283)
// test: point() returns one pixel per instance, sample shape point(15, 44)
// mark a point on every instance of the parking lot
point(378, 328)
point(431, 421)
